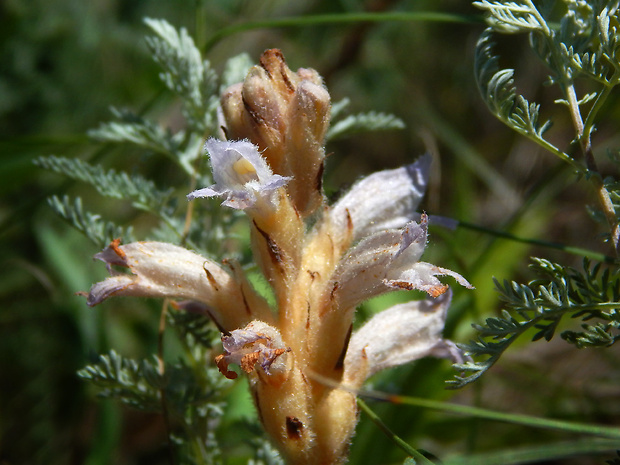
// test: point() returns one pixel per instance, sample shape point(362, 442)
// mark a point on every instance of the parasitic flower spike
point(321, 260)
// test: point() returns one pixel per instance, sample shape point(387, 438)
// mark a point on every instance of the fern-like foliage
point(97, 230)
point(510, 17)
point(185, 73)
point(183, 148)
point(191, 396)
point(582, 41)
point(192, 80)
point(134, 383)
point(235, 70)
point(141, 191)
point(265, 454)
point(599, 60)
point(591, 296)
point(133, 129)
point(194, 328)
point(574, 39)
point(361, 122)
point(498, 90)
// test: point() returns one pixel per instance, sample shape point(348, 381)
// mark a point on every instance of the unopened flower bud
point(308, 116)
point(286, 115)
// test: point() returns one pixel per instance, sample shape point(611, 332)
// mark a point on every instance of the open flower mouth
point(241, 175)
point(256, 344)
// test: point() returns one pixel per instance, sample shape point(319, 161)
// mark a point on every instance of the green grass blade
point(514, 418)
point(417, 456)
point(537, 453)
point(313, 20)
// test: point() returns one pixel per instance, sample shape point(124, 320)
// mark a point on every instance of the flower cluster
point(321, 260)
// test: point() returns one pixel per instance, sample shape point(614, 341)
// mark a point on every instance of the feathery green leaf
point(363, 122)
point(98, 231)
point(542, 304)
point(185, 73)
point(141, 191)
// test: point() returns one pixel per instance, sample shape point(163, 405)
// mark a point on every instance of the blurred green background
point(65, 62)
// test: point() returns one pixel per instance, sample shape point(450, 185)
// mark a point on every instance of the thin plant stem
point(313, 20)
point(537, 453)
point(556, 151)
point(514, 418)
point(602, 193)
point(585, 142)
point(417, 456)
point(543, 24)
point(600, 101)
point(601, 257)
point(162, 372)
point(575, 114)
point(477, 412)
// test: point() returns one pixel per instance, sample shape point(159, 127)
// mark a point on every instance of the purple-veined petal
point(401, 334)
point(443, 221)
point(241, 175)
point(160, 269)
point(407, 272)
point(360, 274)
point(388, 260)
point(384, 200)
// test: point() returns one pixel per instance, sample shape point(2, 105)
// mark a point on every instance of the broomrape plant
point(321, 261)
point(265, 141)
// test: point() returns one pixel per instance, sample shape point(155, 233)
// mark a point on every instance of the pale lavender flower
point(389, 259)
point(159, 269)
point(384, 200)
point(401, 334)
point(241, 175)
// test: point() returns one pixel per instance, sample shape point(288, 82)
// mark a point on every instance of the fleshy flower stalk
point(364, 245)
